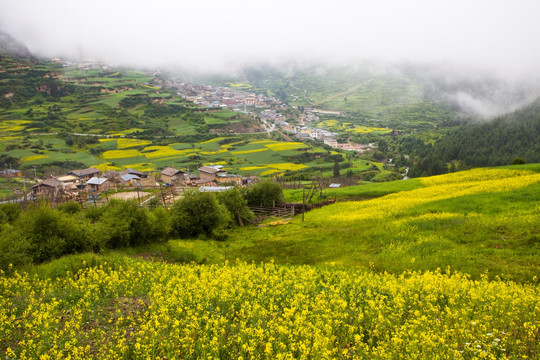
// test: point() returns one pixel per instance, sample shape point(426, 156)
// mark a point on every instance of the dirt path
point(305, 93)
point(332, 97)
point(128, 195)
point(284, 136)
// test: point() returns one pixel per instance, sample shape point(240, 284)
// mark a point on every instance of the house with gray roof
point(99, 184)
point(210, 173)
point(171, 175)
point(85, 174)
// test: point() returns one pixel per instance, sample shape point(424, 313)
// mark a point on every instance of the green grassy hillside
point(370, 96)
point(478, 221)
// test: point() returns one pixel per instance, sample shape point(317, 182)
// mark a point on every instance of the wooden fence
point(262, 212)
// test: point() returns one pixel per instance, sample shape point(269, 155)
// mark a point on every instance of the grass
point(474, 226)
point(360, 192)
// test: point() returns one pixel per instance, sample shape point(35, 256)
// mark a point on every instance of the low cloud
point(497, 35)
point(478, 37)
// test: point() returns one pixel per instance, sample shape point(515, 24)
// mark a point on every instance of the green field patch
point(358, 192)
point(213, 121)
point(182, 146)
point(181, 126)
point(224, 114)
point(247, 151)
point(108, 144)
point(263, 142)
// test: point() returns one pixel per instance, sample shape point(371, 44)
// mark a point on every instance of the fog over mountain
point(456, 41)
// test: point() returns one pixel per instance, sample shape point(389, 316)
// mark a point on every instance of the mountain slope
point(12, 46)
point(499, 142)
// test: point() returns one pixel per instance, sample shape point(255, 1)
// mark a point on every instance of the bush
point(14, 249)
point(236, 204)
point(161, 224)
point(265, 193)
point(52, 233)
point(198, 213)
point(9, 212)
point(126, 224)
point(70, 207)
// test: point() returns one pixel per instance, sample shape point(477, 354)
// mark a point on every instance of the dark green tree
point(336, 170)
point(198, 213)
point(236, 204)
point(265, 193)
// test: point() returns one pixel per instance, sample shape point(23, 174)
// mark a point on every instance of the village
point(266, 107)
point(91, 185)
point(240, 101)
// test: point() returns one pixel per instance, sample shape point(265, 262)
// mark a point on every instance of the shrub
point(265, 193)
point(14, 248)
point(236, 204)
point(161, 224)
point(52, 233)
point(70, 207)
point(9, 212)
point(198, 213)
point(126, 224)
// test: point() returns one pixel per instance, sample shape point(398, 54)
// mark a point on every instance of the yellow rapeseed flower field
point(212, 140)
point(286, 146)
point(152, 310)
point(155, 152)
point(13, 125)
point(129, 143)
point(437, 188)
point(34, 157)
point(119, 154)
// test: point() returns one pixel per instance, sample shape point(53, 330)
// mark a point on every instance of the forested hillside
point(508, 138)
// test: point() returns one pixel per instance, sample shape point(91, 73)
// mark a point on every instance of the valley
point(284, 211)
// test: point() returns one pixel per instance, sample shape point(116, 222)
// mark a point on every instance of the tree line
point(512, 138)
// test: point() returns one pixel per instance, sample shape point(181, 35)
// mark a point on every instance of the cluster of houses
point(10, 173)
point(93, 180)
point(223, 97)
point(272, 115)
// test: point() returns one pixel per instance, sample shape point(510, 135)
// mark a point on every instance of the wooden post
point(162, 197)
point(303, 202)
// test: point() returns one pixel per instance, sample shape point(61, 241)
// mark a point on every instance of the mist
point(495, 38)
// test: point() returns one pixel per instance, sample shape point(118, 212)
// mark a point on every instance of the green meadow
point(480, 222)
